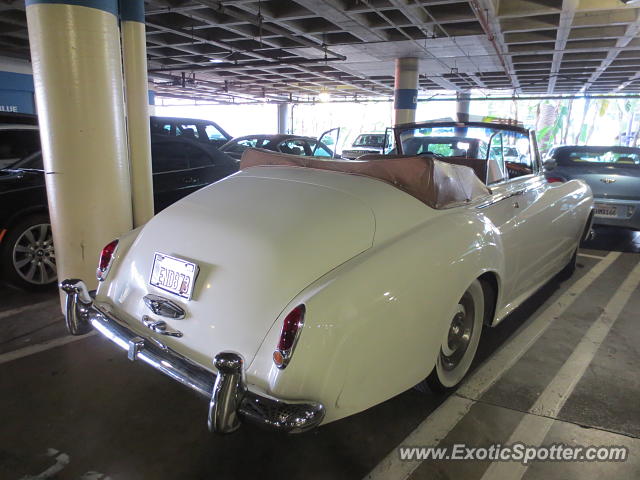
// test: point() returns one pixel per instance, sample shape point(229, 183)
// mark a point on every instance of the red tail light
point(106, 256)
point(291, 328)
point(555, 180)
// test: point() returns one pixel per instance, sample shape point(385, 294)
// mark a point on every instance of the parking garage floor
point(563, 368)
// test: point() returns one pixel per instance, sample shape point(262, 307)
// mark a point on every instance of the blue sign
point(16, 93)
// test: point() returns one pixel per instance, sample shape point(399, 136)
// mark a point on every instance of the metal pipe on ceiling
point(248, 64)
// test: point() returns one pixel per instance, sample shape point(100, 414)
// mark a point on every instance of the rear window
point(623, 157)
point(241, 145)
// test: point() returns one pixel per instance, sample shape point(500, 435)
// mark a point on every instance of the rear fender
point(374, 325)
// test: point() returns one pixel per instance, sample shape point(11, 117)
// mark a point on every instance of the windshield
point(446, 141)
point(369, 140)
point(507, 152)
point(594, 156)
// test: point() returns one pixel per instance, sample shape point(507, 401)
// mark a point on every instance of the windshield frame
point(399, 129)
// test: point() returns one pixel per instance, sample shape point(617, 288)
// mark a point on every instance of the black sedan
point(27, 258)
point(291, 144)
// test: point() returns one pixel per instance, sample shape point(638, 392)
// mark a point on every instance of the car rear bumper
point(628, 213)
point(230, 400)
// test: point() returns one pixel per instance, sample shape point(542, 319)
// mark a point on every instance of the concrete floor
point(563, 368)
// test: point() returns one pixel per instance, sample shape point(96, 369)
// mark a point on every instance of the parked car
point(364, 144)
point(202, 130)
point(17, 141)
point(613, 173)
point(291, 144)
point(325, 287)
point(27, 256)
point(18, 118)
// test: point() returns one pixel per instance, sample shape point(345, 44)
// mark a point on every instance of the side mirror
point(550, 164)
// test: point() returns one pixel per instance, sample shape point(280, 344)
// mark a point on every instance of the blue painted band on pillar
point(405, 99)
point(110, 6)
point(132, 10)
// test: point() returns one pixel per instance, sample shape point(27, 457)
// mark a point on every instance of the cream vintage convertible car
point(300, 291)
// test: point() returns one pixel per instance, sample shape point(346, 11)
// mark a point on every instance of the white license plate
point(173, 275)
point(605, 210)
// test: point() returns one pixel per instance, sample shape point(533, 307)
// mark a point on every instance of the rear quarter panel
point(374, 325)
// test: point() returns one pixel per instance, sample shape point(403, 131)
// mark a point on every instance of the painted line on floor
point(41, 347)
point(533, 428)
point(433, 429)
point(25, 308)
point(588, 255)
point(486, 375)
point(505, 357)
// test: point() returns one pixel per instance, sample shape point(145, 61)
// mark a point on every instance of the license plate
point(605, 210)
point(173, 275)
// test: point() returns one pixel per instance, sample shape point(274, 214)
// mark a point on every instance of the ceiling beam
point(632, 31)
point(569, 8)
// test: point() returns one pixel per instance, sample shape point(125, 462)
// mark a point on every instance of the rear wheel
point(27, 254)
point(460, 343)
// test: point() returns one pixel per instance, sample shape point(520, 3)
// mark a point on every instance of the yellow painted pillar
point(134, 52)
point(405, 90)
point(77, 70)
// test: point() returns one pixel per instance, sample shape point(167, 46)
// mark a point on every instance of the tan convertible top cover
point(436, 183)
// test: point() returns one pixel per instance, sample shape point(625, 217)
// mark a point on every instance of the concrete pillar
point(77, 69)
point(405, 90)
point(284, 118)
point(134, 51)
point(463, 100)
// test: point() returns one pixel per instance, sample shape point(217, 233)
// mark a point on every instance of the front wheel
point(460, 343)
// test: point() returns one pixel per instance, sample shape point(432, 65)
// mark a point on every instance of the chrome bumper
point(230, 401)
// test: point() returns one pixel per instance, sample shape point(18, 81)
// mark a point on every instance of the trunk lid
point(257, 241)
point(617, 182)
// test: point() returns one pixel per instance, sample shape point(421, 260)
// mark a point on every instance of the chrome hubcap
point(459, 336)
point(34, 256)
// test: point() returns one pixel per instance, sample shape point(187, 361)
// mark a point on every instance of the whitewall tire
point(460, 342)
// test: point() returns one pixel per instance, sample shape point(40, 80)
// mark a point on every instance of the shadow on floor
point(614, 239)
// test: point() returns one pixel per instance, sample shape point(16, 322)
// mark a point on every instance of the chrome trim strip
point(510, 194)
point(499, 198)
point(230, 400)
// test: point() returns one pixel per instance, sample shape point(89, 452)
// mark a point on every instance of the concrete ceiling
point(240, 50)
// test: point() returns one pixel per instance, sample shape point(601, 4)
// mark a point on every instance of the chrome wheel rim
point(34, 256)
point(459, 335)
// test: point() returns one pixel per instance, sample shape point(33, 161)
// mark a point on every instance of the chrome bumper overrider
point(230, 401)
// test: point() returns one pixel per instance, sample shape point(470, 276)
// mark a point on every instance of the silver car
point(613, 173)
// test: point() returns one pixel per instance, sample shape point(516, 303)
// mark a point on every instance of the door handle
point(190, 180)
point(516, 205)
